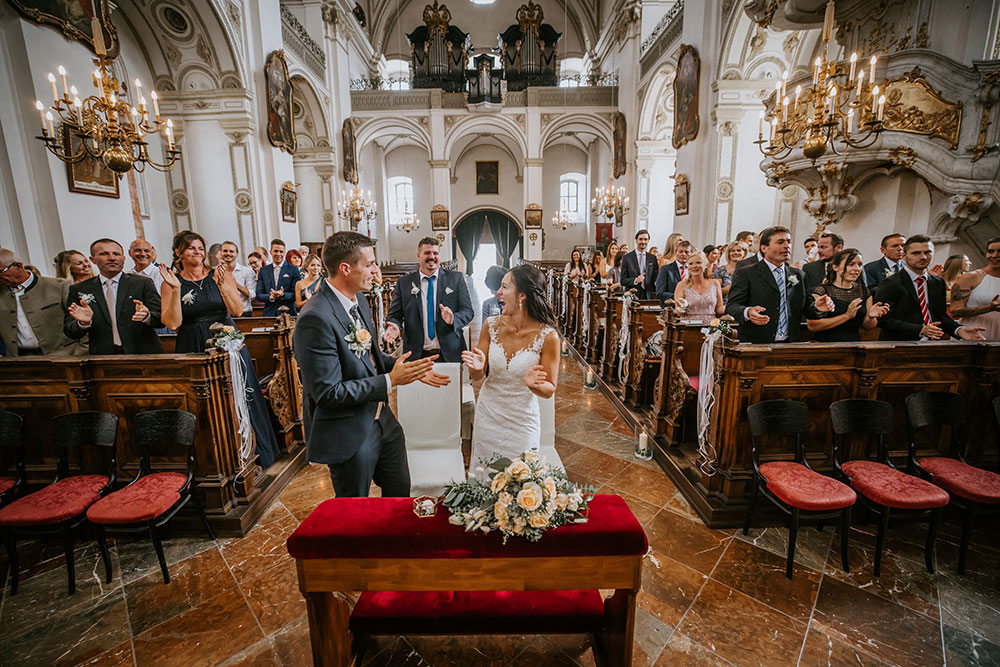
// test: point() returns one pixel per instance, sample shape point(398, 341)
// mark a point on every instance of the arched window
point(572, 186)
point(399, 198)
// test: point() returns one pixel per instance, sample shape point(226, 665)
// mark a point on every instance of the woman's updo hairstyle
point(182, 241)
point(530, 282)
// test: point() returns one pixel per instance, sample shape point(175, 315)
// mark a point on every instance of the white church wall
point(886, 204)
point(409, 161)
point(560, 159)
point(464, 199)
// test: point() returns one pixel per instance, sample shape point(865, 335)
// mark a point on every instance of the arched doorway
point(486, 238)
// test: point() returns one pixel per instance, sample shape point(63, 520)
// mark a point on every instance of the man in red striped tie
point(916, 300)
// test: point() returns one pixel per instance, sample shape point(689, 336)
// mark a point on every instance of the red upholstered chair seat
point(695, 381)
point(146, 498)
point(478, 612)
point(893, 488)
point(388, 528)
point(798, 486)
point(7, 483)
point(56, 502)
point(965, 481)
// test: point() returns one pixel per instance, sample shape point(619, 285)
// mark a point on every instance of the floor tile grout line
point(812, 612)
point(944, 648)
point(708, 578)
point(239, 587)
point(128, 614)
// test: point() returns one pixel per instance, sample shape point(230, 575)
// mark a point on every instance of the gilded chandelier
point(109, 128)
point(561, 220)
point(356, 207)
point(823, 115)
point(610, 202)
point(408, 221)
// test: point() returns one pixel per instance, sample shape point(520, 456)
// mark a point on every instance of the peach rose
point(363, 337)
point(530, 497)
point(519, 471)
point(550, 487)
point(538, 520)
point(530, 457)
point(562, 501)
point(499, 482)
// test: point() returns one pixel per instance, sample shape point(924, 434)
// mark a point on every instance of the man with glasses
point(31, 311)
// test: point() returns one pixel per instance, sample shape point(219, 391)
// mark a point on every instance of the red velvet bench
point(426, 576)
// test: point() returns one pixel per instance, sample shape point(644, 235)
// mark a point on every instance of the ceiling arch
point(579, 123)
point(311, 129)
point(387, 128)
point(491, 124)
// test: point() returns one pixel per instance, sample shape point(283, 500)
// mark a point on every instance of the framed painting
point(686, 96)
point(78, 20)
point(682, 195)
point(533, 217)
point(619, 140)
point(350, 157)
point(289, 199)
point(439, 218)
point(487, 177)
point(89, 176)
point(280, 125)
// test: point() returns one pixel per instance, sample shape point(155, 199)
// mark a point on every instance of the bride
point(520, 347)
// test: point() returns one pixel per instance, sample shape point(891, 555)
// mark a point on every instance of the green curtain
point(506, 236)
point(468, 234)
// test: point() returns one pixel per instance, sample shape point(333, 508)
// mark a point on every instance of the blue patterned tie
point(779, 277)
point(430, 307)
point(895, 267)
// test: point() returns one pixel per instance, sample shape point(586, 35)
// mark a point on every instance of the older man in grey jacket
point(31, 311)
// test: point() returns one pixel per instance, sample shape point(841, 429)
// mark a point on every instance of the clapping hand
point(404, 372)
point(995, 304)
point(971, 333)
point(824, 304)
point(220, 275)
point(853, 307)
point(641, 279)
point(447, 315)
point(81, 312)
point(932, 331)
point(536, 377)
point(434, 379)
point(141, 312)
point(169, 278)
point(277, 293)
point(877, 310)
point(756, 316)
point(391, 333)
point(475, 359)
point(936, 270)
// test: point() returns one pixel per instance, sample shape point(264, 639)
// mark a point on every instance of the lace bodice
point(507, 417)
point(701, 305)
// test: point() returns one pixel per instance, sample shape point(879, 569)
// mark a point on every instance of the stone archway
point(487, 226)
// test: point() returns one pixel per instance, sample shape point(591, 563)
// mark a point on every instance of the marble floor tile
point(307, 490)
point(811, 546)
point(741, 629)
point(589, 466)
point(651, 635)
point(540, 651)
point(652, 487)
point(680, 651)
point(963, 648)
point(760, 574)
point(822, 649)
point(644, 512)
point(668, 589)
point(216, 630)
point(577, 647)
point(259, 655)
point(392, 651)
point(119, 656)
point(686, 541)
point(137, 556)
point(679, 505)
point(890, 631)
point(261, 550)
point(291, 644)
point(970, 603)
point(274, 596)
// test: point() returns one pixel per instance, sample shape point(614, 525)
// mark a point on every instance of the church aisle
point(716, 598)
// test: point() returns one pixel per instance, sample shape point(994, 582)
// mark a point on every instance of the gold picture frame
point(78, 26)
point(533, 217)
point(487, 177)
point(280, 124)
point(289, 202)
point(440, 218)
point(682, 195)
point(686, 81)
point(89, 175)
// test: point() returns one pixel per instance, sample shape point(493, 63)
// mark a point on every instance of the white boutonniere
point(793, 280)
point(887, 273)
point(359, 340)
point(448, 290)
point(189, 297)
point(415, 290)
point(87, 298)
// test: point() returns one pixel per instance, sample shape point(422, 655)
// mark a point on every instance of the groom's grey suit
point(348, 424)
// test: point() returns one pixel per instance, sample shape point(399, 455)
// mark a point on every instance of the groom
point(346, 378)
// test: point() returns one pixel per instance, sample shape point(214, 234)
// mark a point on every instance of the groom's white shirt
point(348, 303)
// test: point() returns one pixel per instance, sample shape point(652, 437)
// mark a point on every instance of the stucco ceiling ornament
point(969, 206)
point(829, 186)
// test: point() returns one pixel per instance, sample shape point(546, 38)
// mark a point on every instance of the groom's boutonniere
point(87, 298)
point(415, 290)
point(887, 273)
point(448, 290)
point(359, 340)
point(793, 280)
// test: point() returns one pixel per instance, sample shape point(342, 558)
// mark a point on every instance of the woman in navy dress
point(196, 297)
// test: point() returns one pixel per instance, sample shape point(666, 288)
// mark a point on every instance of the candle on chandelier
point(774, 130)
point(135, 119)
point(41, 112)
point(62, 76)
point(760, 128)
point(784, 82)
point(99, 79)
point(156, 104)
point(816, 66)
point(850, 122)
point(854, 63)
point(881, 107)
point(170, 133)
point(79, 109)
point(861, 80)
point(871, 73)
point(874, 99)
point(784, 111)
point(798, 92)
point(55, 95)
point(48, 119)
point(138, 89)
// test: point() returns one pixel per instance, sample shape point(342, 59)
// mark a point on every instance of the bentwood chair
point(12, 439)
point(61, 506)
point(794, 487)
point(890, 493)
point(971, 488)
point(152, 499)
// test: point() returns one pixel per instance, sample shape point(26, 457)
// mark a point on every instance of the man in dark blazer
point(889, 264)
point(639, 268)
point(828, 244)
point(430, 306)
point(346, 378)
point(768, 298)
point(276, 282)
point(119, 310)
point(916, 300)
point(672, 273)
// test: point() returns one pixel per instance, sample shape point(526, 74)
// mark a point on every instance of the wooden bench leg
point(328, 629)
point(613, 647)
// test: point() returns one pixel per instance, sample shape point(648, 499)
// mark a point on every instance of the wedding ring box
point(425, 506)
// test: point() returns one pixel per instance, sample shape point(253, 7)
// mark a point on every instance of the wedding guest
point(916, 300)
point(639, 268)
point(669, 248)
point(276, 282)
point(295, 259)
point(492, 305)
point(575, 267)
point(655, 252)
point(255, 261)
point(890, 263)
point(73, 265)
point(671, 274)
point(213, 254)
point(31, 268)
point(752, 257)
point(815, 271)
point(377, 275)
point(195, 298)
point(144, 261)
point(31, 311)
point(712, 254)
point(975, 296)
point(598, 267)
point(747, 238)
point(310, 282)
point(698, 294)
point(955, 267)
point(614, 278)
point(305, 252)
point(735, 252)
point(244, 277)
point(265, 258)
point(612, 253)
point(853, 306)
point(430, 307)
point(624, 247)
point(766, 314)
point(118, 311)
point(810, 247)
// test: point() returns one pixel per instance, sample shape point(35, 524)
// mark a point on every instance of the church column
point(533, 182)
point(441, 196)
point(338, 82)
point(627, 34)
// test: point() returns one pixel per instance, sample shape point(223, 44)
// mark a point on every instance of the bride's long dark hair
point(531, 283)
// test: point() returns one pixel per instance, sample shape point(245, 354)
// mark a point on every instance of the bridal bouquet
point(522, 497)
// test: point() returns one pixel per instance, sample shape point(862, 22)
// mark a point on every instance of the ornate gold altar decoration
point(529, 17)
point(913, 106)
point(610, 202)
point(991, 82)
point(110, 128)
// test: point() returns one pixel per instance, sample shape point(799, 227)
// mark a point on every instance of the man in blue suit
point(431, 306)
point(890, 263)
point(639, 268)
point(670, 274)
point(346, 378)
point(276, 282)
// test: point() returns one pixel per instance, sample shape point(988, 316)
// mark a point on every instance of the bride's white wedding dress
point(507, 414)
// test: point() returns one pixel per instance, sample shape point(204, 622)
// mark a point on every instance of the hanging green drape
point(468, 234)
point(506, 236)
